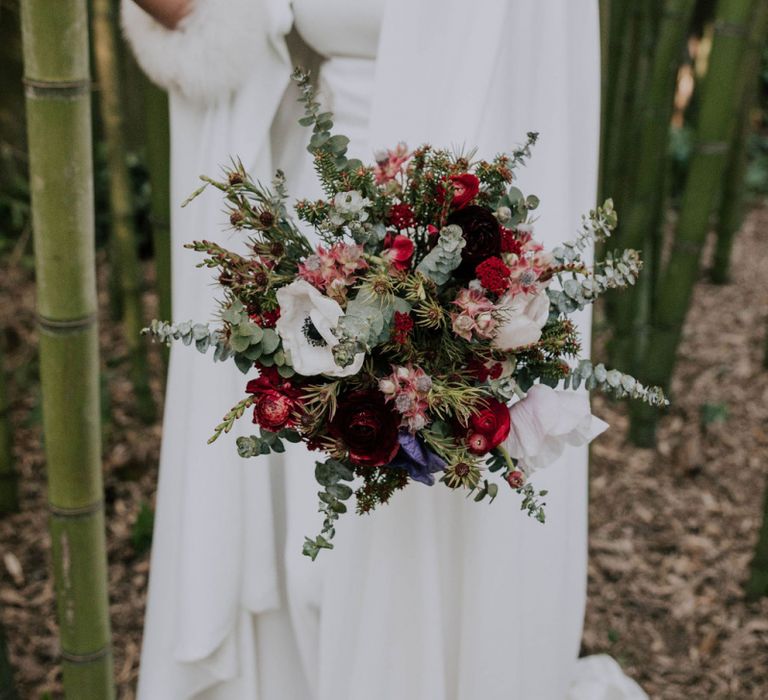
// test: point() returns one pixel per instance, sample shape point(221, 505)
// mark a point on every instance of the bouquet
point(423, 339)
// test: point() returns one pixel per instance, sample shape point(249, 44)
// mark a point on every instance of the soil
point(672, 529)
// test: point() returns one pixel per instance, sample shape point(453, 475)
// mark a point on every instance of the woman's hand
point(168, 12)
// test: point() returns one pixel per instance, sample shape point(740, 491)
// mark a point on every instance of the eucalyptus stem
point(58, 107)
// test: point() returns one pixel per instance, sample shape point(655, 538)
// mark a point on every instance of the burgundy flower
point(465, 189)
point(367, 427)
point(401, 216)
point(493, 275)
point(398, 250)
point(489, 427)
point(483, 236)
point(276, 400)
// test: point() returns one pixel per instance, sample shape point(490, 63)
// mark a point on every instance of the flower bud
point(515, 479)
point(503, 214)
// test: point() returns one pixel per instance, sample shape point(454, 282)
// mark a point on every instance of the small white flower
point(306, 323)
point(522, 318)
point(350, 203)
point(545, 421)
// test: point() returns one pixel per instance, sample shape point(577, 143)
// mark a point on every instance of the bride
point(433, 598)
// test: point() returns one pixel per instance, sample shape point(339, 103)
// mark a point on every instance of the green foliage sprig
point(613, 382)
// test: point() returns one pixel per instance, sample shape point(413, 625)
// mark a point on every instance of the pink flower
point(408, 387)
point(476, 315)
point(332, 271)
point(390, 164)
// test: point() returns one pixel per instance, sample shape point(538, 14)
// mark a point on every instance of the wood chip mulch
point(672, 529)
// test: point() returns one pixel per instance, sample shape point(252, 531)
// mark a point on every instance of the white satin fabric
point(432, 597)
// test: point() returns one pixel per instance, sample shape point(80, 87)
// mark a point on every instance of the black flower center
point(312, 334)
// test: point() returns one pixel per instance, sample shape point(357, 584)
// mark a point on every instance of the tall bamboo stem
point(55, 37)
point(757, 584)
point(731, 212)
point(7, 687)
point(642, 217)
point(158, 149)
point(125, 255)
point(9, 495)
point(721, 91)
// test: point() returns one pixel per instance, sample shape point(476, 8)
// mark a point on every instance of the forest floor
point(672, 529)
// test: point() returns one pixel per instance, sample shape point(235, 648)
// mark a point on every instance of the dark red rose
point(483, 236)
point(465, 189)
point(401, 216)
point(489, 427)
point(368, 428)
point(398, 250)
point(493, 275)
point(276, 400)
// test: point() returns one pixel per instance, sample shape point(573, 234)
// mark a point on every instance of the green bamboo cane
point(642, 216)
point(757, 584)
point(731, 212)
point(722, 89)
point(7, 687)
point(126, 256)
point(158, 150)
point(55, 37)
point(9, 495)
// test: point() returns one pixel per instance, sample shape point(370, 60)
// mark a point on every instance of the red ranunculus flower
point(367, 427)
point(465, 189)
point(399, 250)
point(489, 427)
point(493, 275)
point(276, 400)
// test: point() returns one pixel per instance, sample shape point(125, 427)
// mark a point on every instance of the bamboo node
point(56, 89)
point(80, 659)
point(81, 512)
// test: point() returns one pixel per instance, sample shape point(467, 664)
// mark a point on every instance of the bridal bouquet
point(423, 338)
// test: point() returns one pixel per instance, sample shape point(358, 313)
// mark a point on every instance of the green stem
point(732, 201)
point(757, 585)
point(9, 495)
point(722, 89)
point(58, 105)
point(7, 687)
point(158, 162)
point(125, 255)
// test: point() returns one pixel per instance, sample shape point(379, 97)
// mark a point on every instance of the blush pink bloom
point(390, 163)
point(333, 270)
point(521, 318)
point(408, 387)
point(476, 315)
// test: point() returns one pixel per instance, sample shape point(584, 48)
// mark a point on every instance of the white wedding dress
point(433, 597)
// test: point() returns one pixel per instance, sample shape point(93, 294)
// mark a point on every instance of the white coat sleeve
point(215, 48)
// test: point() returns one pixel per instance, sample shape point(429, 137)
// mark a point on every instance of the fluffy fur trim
point(208, 55)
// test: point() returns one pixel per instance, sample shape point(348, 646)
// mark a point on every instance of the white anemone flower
point(306, 324)
point(521, 319)
point(545, 422)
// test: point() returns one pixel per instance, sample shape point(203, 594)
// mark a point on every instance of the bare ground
point(672, 529)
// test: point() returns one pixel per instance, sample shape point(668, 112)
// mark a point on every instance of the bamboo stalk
point(757, 584)
point(7, 687)
point(731, 212)
point(9, 495)
point(158, 150)
point(720, 92)
point(642, 219)
point(55, 37)
point(125, 255)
